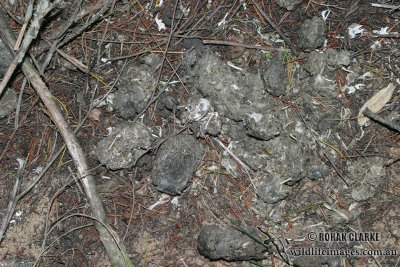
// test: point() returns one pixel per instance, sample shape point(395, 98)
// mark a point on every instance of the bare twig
point(279, 245)
point(115, 250)
point(56, 224)
point(218, 42)
point(50, 163)
point(335, 168)
point(166, 46)
point(68, 23)
point(100, 7)
point(104, 35)
point(77, 63)
point(132, 209)
point(58, 36)
point(368, 113)
point(19, 103)
point(247, 169)
point(57, 240)
point(28, 15)
point(17, 20)
point(105, 6)
point(392, 7)
point(13, 200)
point(42, 9)
point(155, 97)
point(276, 28)
point(138, 53)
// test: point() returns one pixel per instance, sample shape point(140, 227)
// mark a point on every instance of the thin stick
point(334, 167)
point(104, 35)
point(19, 103)
point(44, 171)
point(368, 113)
point(97, 221)
point(132, 209)
point(393, 7)
point(115, 250)
point(246, 168)
point(28, 15)
point(276, 28)
point(218, 42)
point(13, 200)
point(154, 98)
point(68, 23)
point(94, 18)
point(17, 20)
point(42, 9)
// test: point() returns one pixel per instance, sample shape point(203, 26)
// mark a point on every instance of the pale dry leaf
point(376, 102)
point(95, 114)
point(394, 152)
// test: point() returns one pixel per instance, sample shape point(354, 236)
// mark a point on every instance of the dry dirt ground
point(47, 225)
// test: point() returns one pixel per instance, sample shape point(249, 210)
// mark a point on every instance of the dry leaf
point(394, 152)
point(95, 114)
point(376, 102)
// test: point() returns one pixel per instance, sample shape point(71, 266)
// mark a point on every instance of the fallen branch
point(42, 9)
point(115, 250)
point(375, 117)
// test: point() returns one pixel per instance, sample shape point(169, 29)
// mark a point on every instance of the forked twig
point(115, 250)
point(42, 9)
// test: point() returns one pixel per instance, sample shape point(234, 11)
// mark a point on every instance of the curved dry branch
point(114, 248)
